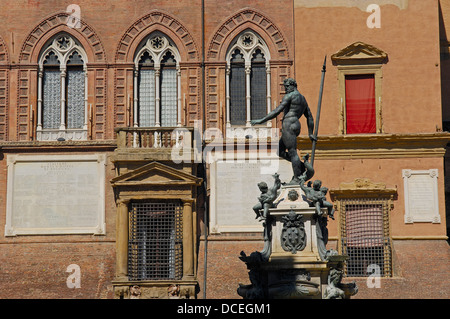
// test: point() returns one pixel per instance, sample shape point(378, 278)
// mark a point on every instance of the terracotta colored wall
point(115, 28)
point(411, 77)
point(388, 171)
point(444, 12)
point(35, 266)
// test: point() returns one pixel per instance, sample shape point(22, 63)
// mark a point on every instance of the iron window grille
point(155, 250)
point(365, 237)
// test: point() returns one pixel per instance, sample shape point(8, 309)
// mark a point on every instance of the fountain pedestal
point(294, 263)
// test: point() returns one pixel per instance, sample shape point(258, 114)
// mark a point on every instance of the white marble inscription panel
point(235, 191)
point(421, 196)
point(55, 194)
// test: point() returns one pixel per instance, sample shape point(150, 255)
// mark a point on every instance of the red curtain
point(360, 104)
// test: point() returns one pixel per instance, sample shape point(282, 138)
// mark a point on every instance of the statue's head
point(317, 184)
point(290, 84)
point(262, 186)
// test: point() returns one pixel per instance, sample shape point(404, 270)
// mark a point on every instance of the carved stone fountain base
point(295, 263)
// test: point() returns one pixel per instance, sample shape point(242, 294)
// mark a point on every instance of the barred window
point(247, 79)
point(157, 97)
point(155, 250)
point(365, 237)
point(62, 84)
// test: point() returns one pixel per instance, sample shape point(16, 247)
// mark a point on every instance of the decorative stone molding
point(377, 145)
point(355, 59)
point(362, 183)
point(189, 66)
point(155, 181)
point(63, 51)
point(359, 52)
point(163, 22)
point(54, 24)
point(4, 90)
point(259, 23)
point(4, 56)
point(216, 68)
point(155, 290)
point(28, 59)
point(363, 187)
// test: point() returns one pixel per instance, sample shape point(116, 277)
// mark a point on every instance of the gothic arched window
point(157, 98)
point(247, 79)
point(62, 90)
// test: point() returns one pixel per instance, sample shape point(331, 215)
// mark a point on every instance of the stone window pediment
point(359, 68)
point(358, 53)
point(155, 174)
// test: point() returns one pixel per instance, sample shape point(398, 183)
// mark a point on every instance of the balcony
point(155, 143)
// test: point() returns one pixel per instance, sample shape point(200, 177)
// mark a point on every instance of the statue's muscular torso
point(294, 105)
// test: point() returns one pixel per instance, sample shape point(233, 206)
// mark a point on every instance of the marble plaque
point(234, 191)
point(55, 194)
point(421, 196)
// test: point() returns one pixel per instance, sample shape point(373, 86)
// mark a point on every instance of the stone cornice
point(377, 145)
point(41, 146)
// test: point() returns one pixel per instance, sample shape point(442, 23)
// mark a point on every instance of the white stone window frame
point(157, 55)
point(247, 51)
point(63, 55)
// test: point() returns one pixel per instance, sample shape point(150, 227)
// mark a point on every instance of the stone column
point(62, 126)
point(248, 94)
point(39, 101)
point(269, 95)
point(188, 243)
point(179, 110)
point(227, 93)
point(122, 240)
point(157, 97)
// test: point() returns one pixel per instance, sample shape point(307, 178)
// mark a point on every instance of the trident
point(316, 127)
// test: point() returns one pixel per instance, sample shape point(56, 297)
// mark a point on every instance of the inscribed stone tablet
point(55, 194)
point(235, 191)
point(421, 196)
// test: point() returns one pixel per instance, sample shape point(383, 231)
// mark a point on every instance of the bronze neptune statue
point(294, 106)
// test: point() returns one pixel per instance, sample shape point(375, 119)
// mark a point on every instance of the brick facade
point(297, 36)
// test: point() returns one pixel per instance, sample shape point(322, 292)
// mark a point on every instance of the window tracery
point(62, 91)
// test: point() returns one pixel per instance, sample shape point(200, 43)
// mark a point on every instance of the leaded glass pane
point(51, 59)
point(237, 94)
point(51, 99)
point(75, 59)
point(75, 98)
point(168, 97)
point(146, 97)
point(258, 91)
